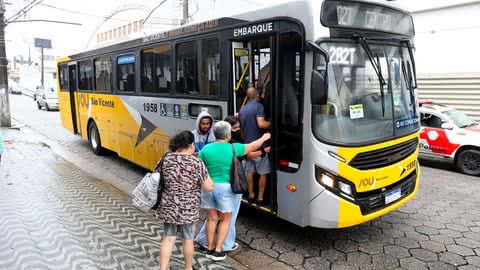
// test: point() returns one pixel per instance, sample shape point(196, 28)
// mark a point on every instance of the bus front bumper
point(328, 210)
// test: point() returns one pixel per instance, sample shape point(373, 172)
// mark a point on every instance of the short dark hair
point(181, 141)
point(232, 120)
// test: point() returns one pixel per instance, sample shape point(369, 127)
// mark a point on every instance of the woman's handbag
point(148, 193)
point(238, 178)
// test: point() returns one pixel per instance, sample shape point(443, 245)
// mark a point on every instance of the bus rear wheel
point(468, 162)
point(94, 139)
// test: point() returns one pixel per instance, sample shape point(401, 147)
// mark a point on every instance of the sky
point(68, 39)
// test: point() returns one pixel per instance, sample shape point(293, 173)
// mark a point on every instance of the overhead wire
point(24, 10)
point(165, 20)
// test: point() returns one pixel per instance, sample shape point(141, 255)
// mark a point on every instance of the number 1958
point(150, 107)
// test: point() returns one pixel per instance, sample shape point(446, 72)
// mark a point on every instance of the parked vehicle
point(15, 90)
point(48, 99)
point(450, 134)
point(38, 91)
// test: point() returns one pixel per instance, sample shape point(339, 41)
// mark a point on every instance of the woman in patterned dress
point(183, 175)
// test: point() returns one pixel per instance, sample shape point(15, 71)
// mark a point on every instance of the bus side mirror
point(319, 81)
point(319, 88)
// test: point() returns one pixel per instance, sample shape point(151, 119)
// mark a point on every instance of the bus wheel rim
point(93, 138)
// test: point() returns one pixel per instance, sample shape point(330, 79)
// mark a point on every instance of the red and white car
point(449, 134)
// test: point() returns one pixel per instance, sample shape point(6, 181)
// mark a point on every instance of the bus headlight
point(335, 184)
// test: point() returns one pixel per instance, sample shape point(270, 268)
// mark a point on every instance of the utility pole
point(43, 79)
point(185, 12)
point(5, 119)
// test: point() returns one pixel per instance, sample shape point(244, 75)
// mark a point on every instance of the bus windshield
point(360, 109)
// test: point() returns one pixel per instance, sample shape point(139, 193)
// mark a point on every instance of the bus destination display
point(366, 16)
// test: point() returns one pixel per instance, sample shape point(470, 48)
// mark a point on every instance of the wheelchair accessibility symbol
point(163, 109)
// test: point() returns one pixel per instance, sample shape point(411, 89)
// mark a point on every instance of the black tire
point(46, 107)
point(39, 106)
point(34, 97)
point(468, 162)
point(94, 139)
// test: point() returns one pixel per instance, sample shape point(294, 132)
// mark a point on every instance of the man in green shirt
point(220, 202)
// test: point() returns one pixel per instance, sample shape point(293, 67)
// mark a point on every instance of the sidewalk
point(55, 215)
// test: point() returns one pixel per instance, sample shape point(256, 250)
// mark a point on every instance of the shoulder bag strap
point(160, 170)
point(234, 164)
point(161, 183)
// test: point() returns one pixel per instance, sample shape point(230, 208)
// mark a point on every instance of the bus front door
point(72, 75)
point(253, 65)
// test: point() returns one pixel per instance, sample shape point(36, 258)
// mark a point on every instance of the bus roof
point(305, 11)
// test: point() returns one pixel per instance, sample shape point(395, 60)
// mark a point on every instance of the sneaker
point(209, 253)
point(218, 256)
point(234, 247)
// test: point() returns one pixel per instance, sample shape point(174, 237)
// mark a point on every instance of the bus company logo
point(366, 182)
point(83, 100)
point(253, 30)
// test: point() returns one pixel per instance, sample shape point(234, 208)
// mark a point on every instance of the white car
point(48, 98)
point(450, 134)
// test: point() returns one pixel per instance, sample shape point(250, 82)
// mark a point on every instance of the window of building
point(126, 73)
point(85, 75)
point(103, 74)
point(63, 77)
point(156, 69)
point(198, 68)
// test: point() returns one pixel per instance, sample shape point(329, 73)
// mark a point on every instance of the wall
point(448, 56)
point(448, 40)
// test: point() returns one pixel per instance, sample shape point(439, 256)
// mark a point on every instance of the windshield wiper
point(382, 92)
point(408, 83)
point(376, 66)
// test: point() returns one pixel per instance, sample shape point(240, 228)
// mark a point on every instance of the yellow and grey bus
point(337, 82)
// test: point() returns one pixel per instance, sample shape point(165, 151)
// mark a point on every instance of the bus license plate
point(393, 196)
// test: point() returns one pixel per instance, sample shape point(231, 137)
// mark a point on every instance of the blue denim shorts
point(171, 230)
point(221, 198)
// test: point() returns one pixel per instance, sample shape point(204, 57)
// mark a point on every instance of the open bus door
point(273, 64)
point(253, 65)
point(72, 77)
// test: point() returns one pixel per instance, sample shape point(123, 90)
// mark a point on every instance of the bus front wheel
point(94, 139)
point(468, 162)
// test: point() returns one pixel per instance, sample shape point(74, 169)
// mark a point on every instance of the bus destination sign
point(366, 16)
point(190, 29)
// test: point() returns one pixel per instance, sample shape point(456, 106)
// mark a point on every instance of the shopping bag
point(148, 193)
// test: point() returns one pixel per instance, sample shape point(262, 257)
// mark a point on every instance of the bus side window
point(103, 74)
point(85, 75)
point(126, 73)
point(156, 65)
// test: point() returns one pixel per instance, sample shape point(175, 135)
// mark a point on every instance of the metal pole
point(42, 70)
point(5, 119)
point(185, 12)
